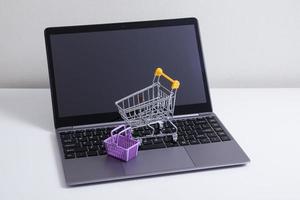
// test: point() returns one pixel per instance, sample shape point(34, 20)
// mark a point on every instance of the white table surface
point(265, 122)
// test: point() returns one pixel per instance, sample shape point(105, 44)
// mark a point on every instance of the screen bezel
point(114, 116)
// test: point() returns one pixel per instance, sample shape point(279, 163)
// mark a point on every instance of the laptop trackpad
point(158, 160)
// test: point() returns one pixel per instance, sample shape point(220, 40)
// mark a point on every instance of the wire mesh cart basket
point(151, 105)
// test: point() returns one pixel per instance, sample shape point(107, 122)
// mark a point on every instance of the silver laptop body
point(79, 132)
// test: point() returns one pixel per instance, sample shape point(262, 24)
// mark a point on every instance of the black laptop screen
point(94, 69)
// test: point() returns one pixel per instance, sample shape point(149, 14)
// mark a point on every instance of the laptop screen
point(94, 69)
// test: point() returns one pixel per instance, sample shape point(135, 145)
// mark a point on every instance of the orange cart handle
point(159, 72)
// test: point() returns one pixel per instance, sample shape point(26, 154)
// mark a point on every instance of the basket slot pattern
point(122, 147)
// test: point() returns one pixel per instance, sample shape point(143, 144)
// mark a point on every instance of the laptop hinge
point(64, 128)
point(98, 125)
point(192, 115)
point(120, 122)
point(186, 115)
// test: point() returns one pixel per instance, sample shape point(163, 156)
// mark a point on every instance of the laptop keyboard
point(89, 142)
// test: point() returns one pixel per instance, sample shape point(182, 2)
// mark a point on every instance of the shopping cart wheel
point(175, 136)
point(161, 124)
point(140, 141)
point(152, 129)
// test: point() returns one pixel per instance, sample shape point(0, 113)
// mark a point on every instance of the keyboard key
point(104, 136)
point(147, 142)
point(172, 144)
point(221, 134)
point(95, 134)
point(211, 121)
point(199, 136)
point(204, 140)
point(147, 132)
point(87, 134)
point(198, 127)
point(190, 137)
point(86, 143)
point(96, 142)
point(100, 130)
point(157, 140)
point(65, 141)
point(215, 125)
point(192, 142)
point(101, 152)
point(211, 134)
point(204, 126)
point(101, 147)
point(190, 128)
point(69, 155)
point(77, 134)
point(93, 148)
point(152, 146)
point(183, 143)
point(80, 149)
point(92, 138)
point(70, 145)
point(69, 150)
point(215, 139)
point(168, 138)
point(218, 129)
point(92, 153)
point(181, 138)
point(198, 131)
point(82, 139)
point(207, 130)
point(189, 132)
point(166, 130)
point(80, 154)
point(65, 136)
point(225, 138)
point(180, 133)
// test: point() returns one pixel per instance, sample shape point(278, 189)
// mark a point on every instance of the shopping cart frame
point(154, 104)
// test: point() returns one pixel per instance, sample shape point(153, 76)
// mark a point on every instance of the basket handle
point(159, 72)
point(125, 130)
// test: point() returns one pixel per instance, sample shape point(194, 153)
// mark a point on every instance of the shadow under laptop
point(31, 106)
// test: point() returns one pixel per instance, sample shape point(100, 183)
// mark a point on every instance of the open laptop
point(90, 67)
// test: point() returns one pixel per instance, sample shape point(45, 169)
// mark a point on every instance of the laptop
point(92, 66)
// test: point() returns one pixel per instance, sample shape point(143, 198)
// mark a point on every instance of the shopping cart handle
point(159, 72)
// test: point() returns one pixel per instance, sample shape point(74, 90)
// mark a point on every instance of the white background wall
point(252, 43)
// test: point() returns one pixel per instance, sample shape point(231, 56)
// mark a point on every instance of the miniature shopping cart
point(151, 105)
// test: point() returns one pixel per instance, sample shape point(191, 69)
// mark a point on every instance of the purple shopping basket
point(123, 147)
